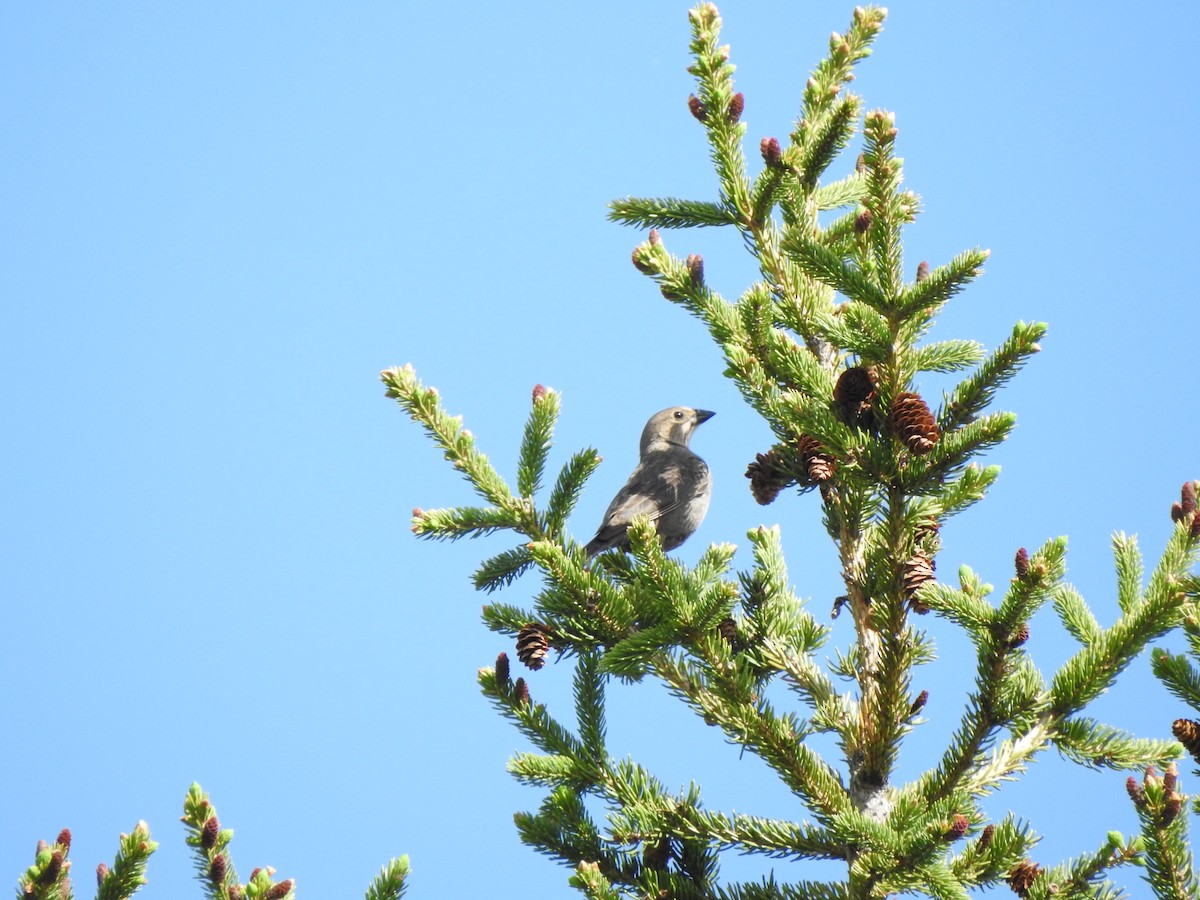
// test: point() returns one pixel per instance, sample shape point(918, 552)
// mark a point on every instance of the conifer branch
point(127, 874)
point(1170, 869)
point(975, 393)
point(669, 212)
point(391, 882)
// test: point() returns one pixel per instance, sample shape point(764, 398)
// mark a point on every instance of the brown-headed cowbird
point(671, 484)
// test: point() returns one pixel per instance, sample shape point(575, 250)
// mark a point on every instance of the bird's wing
point(657, 486)
point(654, 490)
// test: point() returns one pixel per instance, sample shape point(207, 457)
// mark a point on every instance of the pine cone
point(521, 691)
point(656, 854)
point(957, 828)
point(737, 103)
point(768, 476)
point(1021, 563)
point(854, 394)
point(1022, 876)
point(502, 672)
point(985, 838)
point(918, 570)
point(209, 832)
point(727, 628)
point(1020, 636)
point(819, 465)
point(919, 703)
point(1187, 732)
point(772, 153)
point(1135, 791)
point(926, 535)
point(532, 643)
point(1171, 809)
point(913, 423)
point(1187, 497)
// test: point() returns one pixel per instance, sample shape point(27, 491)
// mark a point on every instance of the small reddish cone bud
point(772, 153)
point(1022, 563)
point(862, 223)
point(919, 703)
point(1171, 808)
point(697, 108)
point(985, 838)
point(209, 832)
point(1187, 497)
point(521, 691)
point(64, 839)
point(279, 891)
point(1136, 794)
point(1020, 636)
point(41, 845)
point(1170, 778)
point(695, 267)
point(1177, 512)
point(922, 271)
point(254, 874)
point(502, 676)
point(1194, 531)
point(539, 391)
point(235, 892)
point(217, 869)
point(417, 515)
point(101, 874)
point(737, 103)
point(957, 828)
point(654, 238)
point(640, 262)
point(53, 868)
point(860, 164)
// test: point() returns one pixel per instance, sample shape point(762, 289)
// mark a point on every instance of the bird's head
point(672, 427)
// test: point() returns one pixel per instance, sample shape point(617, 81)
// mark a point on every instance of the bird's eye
point(678, 414)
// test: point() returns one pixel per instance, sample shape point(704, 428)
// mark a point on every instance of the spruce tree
point(829, 346)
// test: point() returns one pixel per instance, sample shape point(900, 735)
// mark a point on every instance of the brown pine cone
point(532, 643)
point(727, 628)
point(918, 569)
point(1022, 876)
point(768, 476)
point(913, 423)
point(854, 394)
point(819, 464)
point(1187, 732)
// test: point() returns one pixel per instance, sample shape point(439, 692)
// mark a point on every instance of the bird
point(671, 484)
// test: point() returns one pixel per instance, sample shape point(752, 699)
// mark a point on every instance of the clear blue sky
point(220, 221)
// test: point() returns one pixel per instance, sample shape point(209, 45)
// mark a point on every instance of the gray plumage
point(671, 484)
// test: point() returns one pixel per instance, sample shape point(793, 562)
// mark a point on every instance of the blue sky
point(220, 221)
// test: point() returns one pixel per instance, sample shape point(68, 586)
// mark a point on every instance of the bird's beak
point(703, 415)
